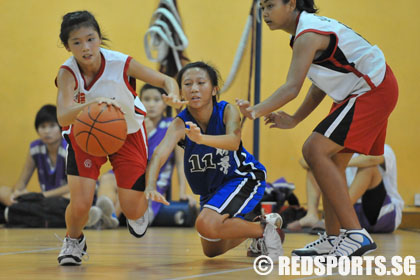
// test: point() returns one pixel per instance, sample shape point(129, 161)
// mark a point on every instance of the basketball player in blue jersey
point(97, 75)
point(346, 67)
point(228, 179)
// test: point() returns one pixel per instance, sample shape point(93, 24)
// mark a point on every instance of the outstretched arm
point(304, 51)
point(174, 133)
point(230, 141)
point(283, 120)
point(182, 181)
point(157, 79)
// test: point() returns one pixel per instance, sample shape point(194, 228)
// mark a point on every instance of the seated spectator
point(47, 155)
point(372, 182)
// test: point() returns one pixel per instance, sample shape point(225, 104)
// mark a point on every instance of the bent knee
point(308, 152)
point(207, 228)
point(316, 148)
point(80, 208)
point(211, 253)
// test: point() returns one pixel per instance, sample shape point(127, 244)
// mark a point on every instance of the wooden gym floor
point(163, 253)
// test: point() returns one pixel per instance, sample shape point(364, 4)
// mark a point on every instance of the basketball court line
point(196, 275)
point(210, 273)
point(30, 251)
point(249, 268)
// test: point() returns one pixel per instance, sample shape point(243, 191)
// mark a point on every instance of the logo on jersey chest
point(80, 98)
point(210, 161)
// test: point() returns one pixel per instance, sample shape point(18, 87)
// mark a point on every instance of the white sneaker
point(272, 243)
point(95, 214)
point(109, 222)
point(72, 251)
point(354, 242)
point(254, 249)
point(274, 219)
point(109, 219)
point(320, 247)
point(138, 227)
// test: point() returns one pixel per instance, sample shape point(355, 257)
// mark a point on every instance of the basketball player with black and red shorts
point(94, 74)
point(354, 73)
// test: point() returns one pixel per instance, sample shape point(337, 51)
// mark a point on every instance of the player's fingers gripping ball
point(100, 129)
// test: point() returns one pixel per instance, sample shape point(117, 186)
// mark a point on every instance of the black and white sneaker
point(354, 242)
point(320, 247)
point(72, 251)
point(138, 227)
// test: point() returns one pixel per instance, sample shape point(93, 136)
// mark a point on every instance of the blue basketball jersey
point(207, 168)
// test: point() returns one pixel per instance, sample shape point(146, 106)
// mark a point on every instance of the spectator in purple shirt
point(47, 155)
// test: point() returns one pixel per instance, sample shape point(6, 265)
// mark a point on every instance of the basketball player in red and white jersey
point(94, 74)
point(346, 67)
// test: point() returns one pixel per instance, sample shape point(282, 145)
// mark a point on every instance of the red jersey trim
point(127, 82)
point(139, 111)
point(101, 71)
point(336, 62)
point(71, 71)
point(322, 33)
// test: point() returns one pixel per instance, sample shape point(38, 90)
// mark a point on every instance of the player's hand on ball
point(155, 196)
point(173, 100)
point(109, 102)
point(280, 119)
point(193, 132)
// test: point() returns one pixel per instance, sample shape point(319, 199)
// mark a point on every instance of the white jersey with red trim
point(111, 82)
point(350, 65)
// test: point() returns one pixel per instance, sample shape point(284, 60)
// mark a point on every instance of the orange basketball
point(100, 129)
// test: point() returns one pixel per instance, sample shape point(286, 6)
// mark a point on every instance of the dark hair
point(47, 113)
point(75, 20)
point(211, 71)
point(168, 111)
point(148, 86)
point(304, 5)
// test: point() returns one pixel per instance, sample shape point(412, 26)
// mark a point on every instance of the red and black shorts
point(129, 163)
point(359, 122)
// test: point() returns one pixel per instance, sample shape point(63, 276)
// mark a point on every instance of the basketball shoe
point(108, 217)
point(353, 242)
point(72, 251)
point(320, 247)
point(95, 214)
point(258, 246)
point(138, 227)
